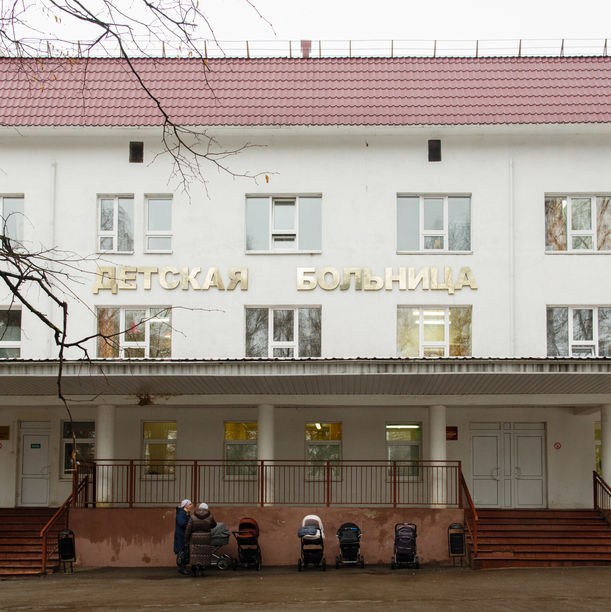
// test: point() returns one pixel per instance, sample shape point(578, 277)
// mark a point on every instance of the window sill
point(158, 252)
point(434, 252)
point(116, 252)
point(583, 252)
point(279, 252)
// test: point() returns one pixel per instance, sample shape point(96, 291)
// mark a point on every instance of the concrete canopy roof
point(563, 381)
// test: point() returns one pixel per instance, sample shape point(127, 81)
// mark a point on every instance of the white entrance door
point(34, 465)
point(508, 465)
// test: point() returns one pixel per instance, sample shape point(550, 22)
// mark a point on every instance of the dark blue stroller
point(349, 537)
point(404, 553)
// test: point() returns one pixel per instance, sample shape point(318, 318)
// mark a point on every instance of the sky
point(546, 22)
point(411, 19)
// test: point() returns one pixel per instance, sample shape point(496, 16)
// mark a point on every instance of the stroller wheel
point(234, 564)
point(393, 565)
point(323, 565)
point(299, 566)
point(417, 563)
point(362, 562)
point(225, 562)
point(336, 562)
point(259, 565)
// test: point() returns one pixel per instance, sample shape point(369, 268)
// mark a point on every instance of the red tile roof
point(293, 92)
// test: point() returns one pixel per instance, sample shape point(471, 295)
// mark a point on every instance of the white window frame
point(436, 344)
point(64, 441)
point(3, 197)
point(120, 339)
point(393, 443)
point(570, 232)
point(280, 233)
point(272, 200)
point(594, 343)
point(158, 233)
point(251, 471)
point(114, 233)
point(171, 475)
point(422, 233)
point(13, 344)
point(283, 344)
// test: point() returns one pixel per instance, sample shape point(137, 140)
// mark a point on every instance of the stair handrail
point(471, 516)
point(62, 512)
point(602, 495)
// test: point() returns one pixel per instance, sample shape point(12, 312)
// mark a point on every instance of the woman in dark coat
point(197, 536)
point(183, 514)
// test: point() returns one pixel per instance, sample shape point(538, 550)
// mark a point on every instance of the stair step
point(529, 538)
point(536, 547)
point(602, 539)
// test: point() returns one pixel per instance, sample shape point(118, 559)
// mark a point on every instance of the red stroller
point(247, 538)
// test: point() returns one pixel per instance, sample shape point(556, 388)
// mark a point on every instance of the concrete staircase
point(540, 538)
point(20, 542)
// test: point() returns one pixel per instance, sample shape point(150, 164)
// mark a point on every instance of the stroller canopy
point(248, 524)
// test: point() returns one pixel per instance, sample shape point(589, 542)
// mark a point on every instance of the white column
point(605, 441)
point(265, 448)
point(437, 450)
point(105, 449)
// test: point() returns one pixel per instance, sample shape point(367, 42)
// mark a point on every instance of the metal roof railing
point(147, 47)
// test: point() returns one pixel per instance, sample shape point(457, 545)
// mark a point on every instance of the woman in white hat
point(199, 539)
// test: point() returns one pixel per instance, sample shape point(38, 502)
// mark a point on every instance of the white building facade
point(356, 301)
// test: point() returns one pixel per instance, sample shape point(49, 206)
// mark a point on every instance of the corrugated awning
point(580, 380)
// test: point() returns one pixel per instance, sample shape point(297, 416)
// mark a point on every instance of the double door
point(508, 465)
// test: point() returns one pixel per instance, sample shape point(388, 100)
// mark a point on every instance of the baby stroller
point(219, 537)
point(247, 538)
point(349, 536)
point(404, 553)
point(312, 538)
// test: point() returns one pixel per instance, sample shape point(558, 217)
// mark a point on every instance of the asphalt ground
point(349, 588)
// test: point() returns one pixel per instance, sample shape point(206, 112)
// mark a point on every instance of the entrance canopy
point(580, 382)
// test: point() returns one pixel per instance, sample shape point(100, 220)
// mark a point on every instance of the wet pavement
point(374, 588)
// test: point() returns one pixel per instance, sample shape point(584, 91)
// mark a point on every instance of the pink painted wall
point(144, 537)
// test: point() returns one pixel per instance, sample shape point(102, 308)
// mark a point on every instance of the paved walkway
point(374, 588)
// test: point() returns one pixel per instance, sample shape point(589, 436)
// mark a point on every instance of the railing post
point(595, 489)
point(194, 481)
point(459, 484)
point(75, 480)
point(43, 565)
point(262, 481)
point(95, 485)
point(130, 483)
point(394, 483)
point(328, 479)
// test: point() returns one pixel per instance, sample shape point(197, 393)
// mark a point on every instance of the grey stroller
point(219, 538)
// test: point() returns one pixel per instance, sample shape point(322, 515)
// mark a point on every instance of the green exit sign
point(34, 445)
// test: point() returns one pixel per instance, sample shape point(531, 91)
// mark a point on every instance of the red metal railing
point(602, 496)
point(61, 518)
point(471, 517)
point(134, 482)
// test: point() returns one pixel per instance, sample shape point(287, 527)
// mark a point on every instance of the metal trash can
point(456, 541)
point(66, 548)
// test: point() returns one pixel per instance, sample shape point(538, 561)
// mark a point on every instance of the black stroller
point(349, 536)
point(247, 538)
point(404, 553)
point(219, 537)
point(312, 538)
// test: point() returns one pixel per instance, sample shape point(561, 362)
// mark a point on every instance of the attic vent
point(136, 152)
point(434, 150)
